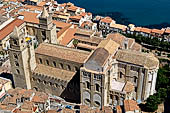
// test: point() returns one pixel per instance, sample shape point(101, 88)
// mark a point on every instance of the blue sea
point(140, 12)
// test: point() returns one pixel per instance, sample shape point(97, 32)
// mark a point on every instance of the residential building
point(5, 85)
point(104, 25)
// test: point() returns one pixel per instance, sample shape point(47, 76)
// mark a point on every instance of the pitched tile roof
point(142, 29)
point(54, 72)
point(118, 26)
point(130, 105)
point(75, 18)
point(106, 20)
point(146, 30)
point(117, 37)
point(30, 17)
point(167, 31)
point(107, 109)
point(27, 105)
point(120, 39)
point(65, 53)
point(60, 24)
point(33, 8)
point(68, 36)
point(158, 31)
point(40, 97)
point(110, 45)
point(7, 107)
point(99, 56)
point(9, 28)
point(94, 40)
point(138, 29)
point(72, 8)
point(146, 60)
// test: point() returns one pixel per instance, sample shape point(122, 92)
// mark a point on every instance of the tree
point(162, 79)
point(162, 94)
point(151, 103)
point(75, 42)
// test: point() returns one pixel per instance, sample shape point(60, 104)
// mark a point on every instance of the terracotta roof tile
point(110, 45)
point(106, 20)
point(27, 105)
point(33, 8)
point(138, 29)
point(65, 53)
point(118, 26)
point(72, 8)
point(42, 3)
point(117, 37)
point(136, 47)
point(60, 24)
point(53, 72)
point(167, 31)
point(8, 107)
point(30, 17)
point(107, 109)
point(146, 30)
point(147, 60)
point(9, 28)
point(75, 17)
point(68, 36)
point(118, 109)
point(130, 105)
point(40, 97)
point(158, 31)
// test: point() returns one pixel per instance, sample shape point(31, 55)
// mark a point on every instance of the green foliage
point(163, 89)
point(151, 104)
point(75, 42)
point(162, 94)
point(162, 79)
point(155, 42)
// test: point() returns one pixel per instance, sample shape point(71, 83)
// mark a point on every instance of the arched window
point(96, 103)
point(15, 56)
point(44, 82)
point(97, 87)
point(17, 70)
point(40, 60)
point(33, 79)
point(56, 85)
point(69, 68)
point(121, 75)
point(35, 88)
point(61, 66)
point(38, 80)
point(87, 85)
point(135, 79)
point(47, 62)
point(50, 84)
point(75, 68)
point(87, 101)
point(54, 63)
point(16, 64)
point(15, 42)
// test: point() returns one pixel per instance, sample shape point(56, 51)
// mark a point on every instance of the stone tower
point(22, 58)
point(47, 30)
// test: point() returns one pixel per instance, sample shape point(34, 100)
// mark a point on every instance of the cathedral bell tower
point(47, 30)
point(22, 58)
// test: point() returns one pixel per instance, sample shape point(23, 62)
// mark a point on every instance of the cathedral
point(107, 75)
